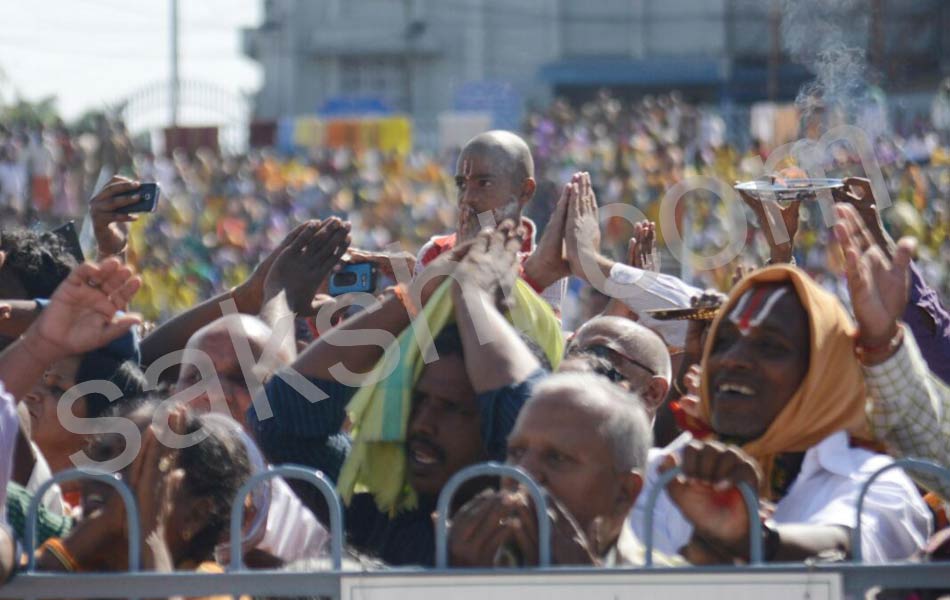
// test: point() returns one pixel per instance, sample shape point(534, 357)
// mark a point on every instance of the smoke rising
point(829, 38)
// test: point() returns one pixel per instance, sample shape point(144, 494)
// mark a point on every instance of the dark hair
point(39, 260)
point(215, 468)
point(100, 365)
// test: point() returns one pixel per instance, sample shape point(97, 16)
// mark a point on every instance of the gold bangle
point(55, 547)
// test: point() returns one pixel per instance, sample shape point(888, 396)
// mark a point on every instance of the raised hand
point(772, 215)
point(491, 263)
point(582, 231)
point(249, 295)
point(82, 313)
point(859, 194)
point(110, 226)
point(300, 269)
point(879, 287)
point(547, 263)
point(708, 496)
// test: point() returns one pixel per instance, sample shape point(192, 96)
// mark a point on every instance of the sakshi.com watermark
point(810, 155)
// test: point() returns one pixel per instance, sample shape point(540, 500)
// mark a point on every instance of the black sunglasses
point(611, 355)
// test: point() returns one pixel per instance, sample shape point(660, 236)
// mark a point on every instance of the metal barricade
point(315, 478)
point(481, 470)
point(750, 496)
point(915, 464)
point(131, 512)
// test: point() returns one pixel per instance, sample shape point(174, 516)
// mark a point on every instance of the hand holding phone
point(147, 195)
point(111, 209)
point(359, 277)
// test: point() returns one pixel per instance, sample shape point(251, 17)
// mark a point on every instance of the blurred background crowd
point(219, 213)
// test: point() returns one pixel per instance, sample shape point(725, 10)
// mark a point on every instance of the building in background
point(429, 57)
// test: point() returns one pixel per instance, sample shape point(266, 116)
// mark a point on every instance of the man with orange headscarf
point(784, 397)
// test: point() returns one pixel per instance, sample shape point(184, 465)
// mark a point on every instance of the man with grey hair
point(585, 442)
point(639, 359)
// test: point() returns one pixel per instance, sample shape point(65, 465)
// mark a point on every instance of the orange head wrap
point(831, 397)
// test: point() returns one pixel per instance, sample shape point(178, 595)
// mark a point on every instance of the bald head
point(638, 355)
point(495, 180)
point(241, 326)
point(507, 149)
point(629, 338)
point(223, 342)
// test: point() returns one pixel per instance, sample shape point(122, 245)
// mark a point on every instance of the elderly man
point(638, 355)
point(494, 177)
point(584, 441)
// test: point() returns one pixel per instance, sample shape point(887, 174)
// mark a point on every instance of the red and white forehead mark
point(754, 306)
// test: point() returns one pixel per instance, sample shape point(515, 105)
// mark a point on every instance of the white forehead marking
point(744, 317)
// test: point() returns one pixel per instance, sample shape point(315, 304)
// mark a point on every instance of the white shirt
point(645, 290)
point(895, 521)
point(9, 426)
point(292, 532)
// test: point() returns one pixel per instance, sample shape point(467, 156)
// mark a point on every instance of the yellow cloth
point(832, 395)
point(380, 412)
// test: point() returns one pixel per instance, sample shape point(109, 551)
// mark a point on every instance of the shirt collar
point(625, 552)
point(831, 454)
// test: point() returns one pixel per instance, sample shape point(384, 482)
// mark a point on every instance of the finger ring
point(165, 464)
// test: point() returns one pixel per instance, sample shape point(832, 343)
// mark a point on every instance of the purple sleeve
point(930, 324)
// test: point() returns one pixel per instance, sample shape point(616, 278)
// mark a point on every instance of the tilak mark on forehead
point(754, 307)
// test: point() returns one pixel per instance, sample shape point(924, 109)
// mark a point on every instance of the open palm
point(879, 287)
point(81, 315)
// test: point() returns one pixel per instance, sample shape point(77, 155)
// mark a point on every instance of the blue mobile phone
point(359, 277)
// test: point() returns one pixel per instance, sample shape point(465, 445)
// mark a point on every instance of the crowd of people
point(244, 358)
point(217, 211)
